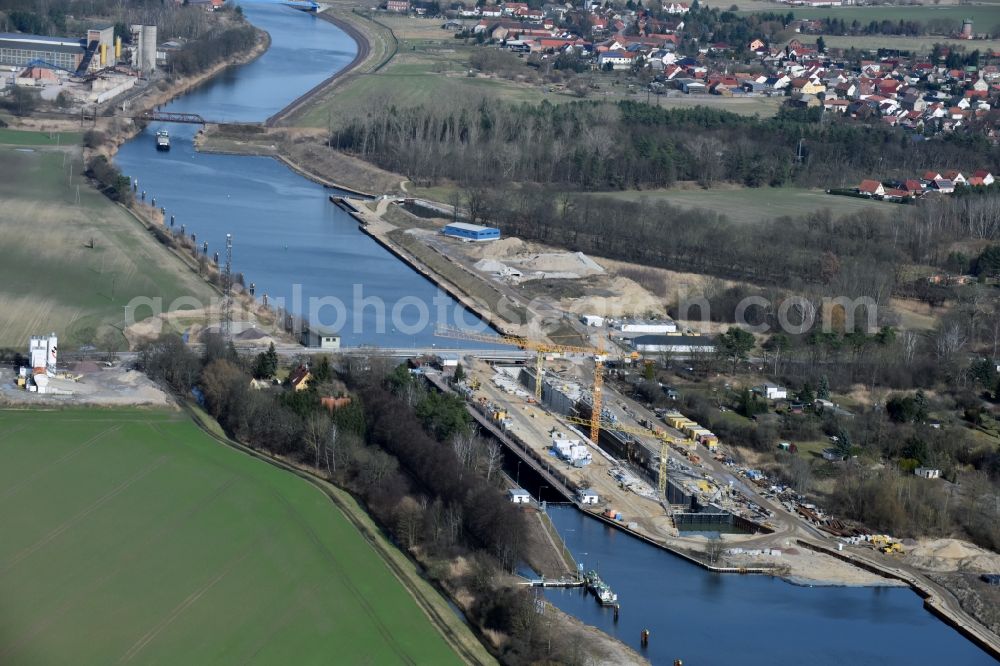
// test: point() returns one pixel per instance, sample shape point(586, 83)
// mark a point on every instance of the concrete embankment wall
point(932, 602)
point(469, 304)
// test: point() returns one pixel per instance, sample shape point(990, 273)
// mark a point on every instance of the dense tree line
point(212, 48)
point(112, 182)
point(73, 17)
point(595, 146)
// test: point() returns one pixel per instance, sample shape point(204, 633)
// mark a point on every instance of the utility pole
point(227, 286)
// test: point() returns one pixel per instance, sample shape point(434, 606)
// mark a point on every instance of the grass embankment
point(50, 279)
point(131, 535)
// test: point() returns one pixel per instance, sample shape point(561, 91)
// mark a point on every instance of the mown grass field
point(131, 536)
point(49, 279)
point(984, 17)
point(428, 76)
point(26, 138)
point(922, 44)
point(755, 204)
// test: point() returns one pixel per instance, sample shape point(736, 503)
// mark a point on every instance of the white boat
point(162, 140)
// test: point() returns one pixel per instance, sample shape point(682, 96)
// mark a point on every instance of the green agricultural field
point(428, 77)
point(984, 17)
point(26, 138)
point(131, 536)
point(755, 204)
point(50, 280)
point(918, 44)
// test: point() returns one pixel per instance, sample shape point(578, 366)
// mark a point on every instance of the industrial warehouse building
point(20, 50)
point(100, 49)
point(472, 232)
point(674, 344)
point(97, 50)
point(653, 326)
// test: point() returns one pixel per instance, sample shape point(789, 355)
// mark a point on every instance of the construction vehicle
point(892, 548)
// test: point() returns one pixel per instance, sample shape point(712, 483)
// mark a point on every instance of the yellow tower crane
point(540, 349)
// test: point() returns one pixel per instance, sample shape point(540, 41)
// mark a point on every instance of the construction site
point(43, 379)
point(653, 473)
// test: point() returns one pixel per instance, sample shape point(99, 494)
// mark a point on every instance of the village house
point(616, 59)
point(300, 378)
point(983, 176)
point(871, 188)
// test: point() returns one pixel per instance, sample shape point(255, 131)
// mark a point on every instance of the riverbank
point(165, 91)
point(359, 34)
point(374, 225)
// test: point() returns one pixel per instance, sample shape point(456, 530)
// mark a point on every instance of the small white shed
point(518, 496)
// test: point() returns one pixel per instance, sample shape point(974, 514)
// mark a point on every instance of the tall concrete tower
point(149, 47)
point(144, 48)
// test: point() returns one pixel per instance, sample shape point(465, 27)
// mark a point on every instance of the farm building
point(772, 391)
point(927, 473)
point(473, 232)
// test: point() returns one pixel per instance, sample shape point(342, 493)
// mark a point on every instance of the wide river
point(287, 233)
point(288, 238)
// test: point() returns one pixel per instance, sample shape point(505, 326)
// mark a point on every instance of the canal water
point(705, 618)
point(288, 238)
point(287, 234)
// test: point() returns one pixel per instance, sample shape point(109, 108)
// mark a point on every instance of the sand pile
point(576, 263)
point(623, 297)
point(952, 555)
point(501, 249)
point(490, 266)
